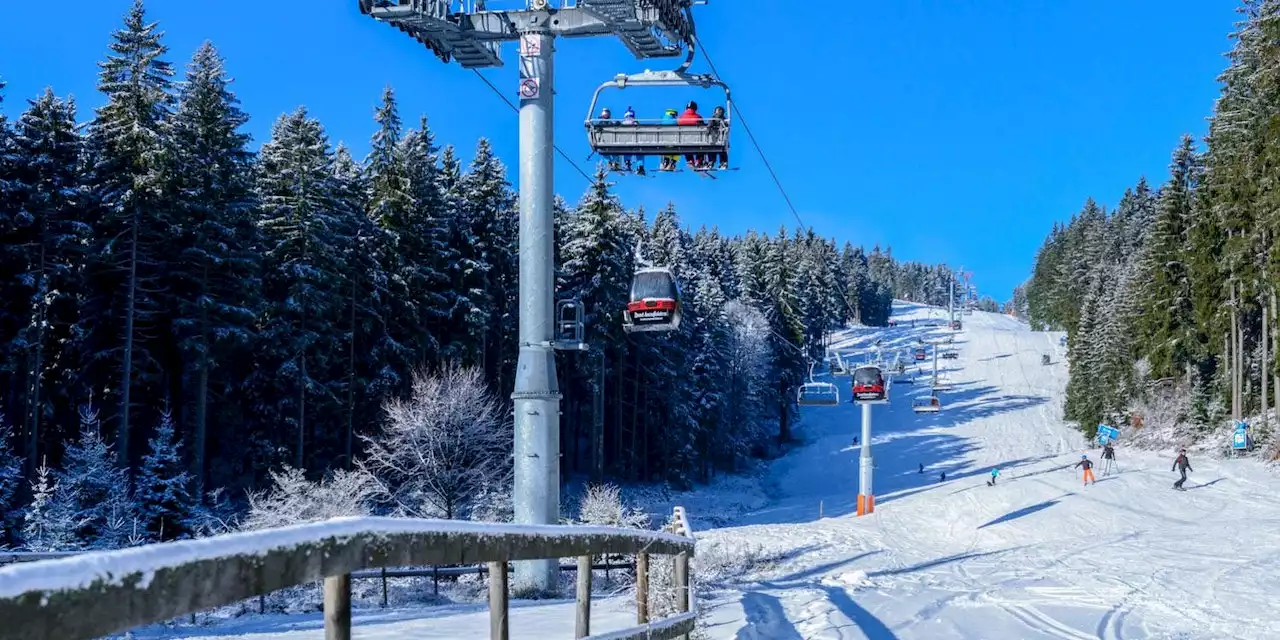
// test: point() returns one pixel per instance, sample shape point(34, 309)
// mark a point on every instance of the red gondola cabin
point(868, 384)
point(920, 354)
point(655, 302)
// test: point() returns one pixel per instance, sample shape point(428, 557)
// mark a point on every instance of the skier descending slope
point(1088, 469)
point(992, 481)
point(1181, 464)
point(1109, 459)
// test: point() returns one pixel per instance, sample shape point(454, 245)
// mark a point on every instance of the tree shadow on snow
point(1025, 511)
point(867, 623)
point(766, 619)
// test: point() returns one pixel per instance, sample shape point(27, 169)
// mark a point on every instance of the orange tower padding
point(866, 504)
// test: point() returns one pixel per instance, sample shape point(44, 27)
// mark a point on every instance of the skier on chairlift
point(606, 118)
point(629, 119)
point(716, 123)
point(669, 162)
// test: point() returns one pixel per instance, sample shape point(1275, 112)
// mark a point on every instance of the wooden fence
point(95, 594)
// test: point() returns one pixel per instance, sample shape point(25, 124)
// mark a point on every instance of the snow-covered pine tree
point(594, 270)
point(456, 343)
point(216, 279)
point(1168, 314)
point(51, 235)
point(306, 232)
point(369, 350)
point(48, 523)
point(166, 506)
point(399, 248)
point(128, 140)
point(491, 257)
point(430, 253)
point(10, 479)
point(95, 488)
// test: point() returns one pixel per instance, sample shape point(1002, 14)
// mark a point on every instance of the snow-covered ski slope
point(1038, 555)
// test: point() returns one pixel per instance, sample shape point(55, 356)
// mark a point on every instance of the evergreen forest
point(185, 318)
point(1168, 299)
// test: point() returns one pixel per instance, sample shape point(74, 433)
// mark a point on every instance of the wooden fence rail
point(94, 594)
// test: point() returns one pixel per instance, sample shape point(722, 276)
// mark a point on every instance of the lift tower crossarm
point(474, 39)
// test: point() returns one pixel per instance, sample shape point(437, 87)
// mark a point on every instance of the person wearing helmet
point(718, 127)
point(1182, 465)
point(669, 162)
point(629, 119)
point(994, 473)
point(1087, 464)
point(691, 118)
point(605, 119)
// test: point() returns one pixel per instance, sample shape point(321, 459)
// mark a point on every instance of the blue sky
point(952, 130)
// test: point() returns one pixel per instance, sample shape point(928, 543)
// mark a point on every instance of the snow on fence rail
point(99, 593)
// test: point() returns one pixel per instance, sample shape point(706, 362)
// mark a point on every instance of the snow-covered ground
point(1038, 555)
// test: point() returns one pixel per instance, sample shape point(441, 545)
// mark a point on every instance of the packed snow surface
point(82, 570)
point(1037, 555)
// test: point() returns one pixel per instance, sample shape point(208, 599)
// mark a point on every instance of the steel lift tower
point(466, 32)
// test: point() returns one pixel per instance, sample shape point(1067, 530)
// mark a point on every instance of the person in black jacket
point(1182, 465)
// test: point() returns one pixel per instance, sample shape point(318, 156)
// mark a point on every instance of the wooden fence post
point(337, 607)
point(583, 626)
point(682, 586)
point(642, 588)
point(498, 628)
point(384, 587)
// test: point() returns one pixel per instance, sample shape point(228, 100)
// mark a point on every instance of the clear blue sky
point(952, 130)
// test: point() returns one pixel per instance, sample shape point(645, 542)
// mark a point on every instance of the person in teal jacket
point(994, 474)
point(669, 162)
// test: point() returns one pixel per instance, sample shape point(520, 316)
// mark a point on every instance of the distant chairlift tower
point(473, 36)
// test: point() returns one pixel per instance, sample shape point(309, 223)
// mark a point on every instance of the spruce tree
point(48, 524)
point(215, 278)
point(51, 234)
point(166, 506)
point(95, 488)
point(306, 232)
point(10, 479)
point(128, 140)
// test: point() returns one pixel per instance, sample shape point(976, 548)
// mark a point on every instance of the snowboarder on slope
point(1088, 469)
point(992, 481)
point(921, 467)
point(1182, 465)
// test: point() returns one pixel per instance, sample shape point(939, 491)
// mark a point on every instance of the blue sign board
point(1108, 432)
point(1102, 439)
point(1240, 439)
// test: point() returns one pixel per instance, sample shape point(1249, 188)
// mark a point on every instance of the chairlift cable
point(737, 109)
point(516, 109)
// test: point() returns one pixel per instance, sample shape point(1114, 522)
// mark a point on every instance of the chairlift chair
point(818, 394)
point(869, 385)
point(839, 367)
point(926, 405)
point(649, 137)
point(655, 301)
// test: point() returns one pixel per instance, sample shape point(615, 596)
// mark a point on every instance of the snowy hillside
point(1038, 555)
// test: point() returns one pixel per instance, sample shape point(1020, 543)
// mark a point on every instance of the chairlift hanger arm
point(662, 79)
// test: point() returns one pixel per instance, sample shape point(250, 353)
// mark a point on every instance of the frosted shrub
point(295, 500)
point(443, 445)
point(602, 505)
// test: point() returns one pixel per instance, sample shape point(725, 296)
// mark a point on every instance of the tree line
point(1170, 296)
point(170, 297)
